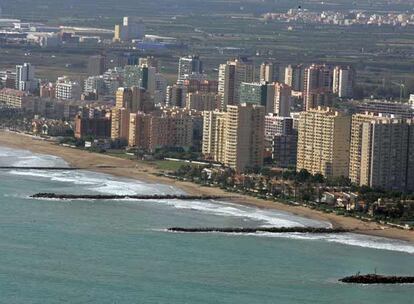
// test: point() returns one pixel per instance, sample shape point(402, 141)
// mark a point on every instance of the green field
point(381, 55)
point(166, 165)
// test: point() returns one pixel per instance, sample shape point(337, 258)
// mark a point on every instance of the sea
point(118, 251)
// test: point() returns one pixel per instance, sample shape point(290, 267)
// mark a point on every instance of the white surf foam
point(350, 239)
point(265, 217)
point(24, 158)
point(98, 182)
point(107, 184)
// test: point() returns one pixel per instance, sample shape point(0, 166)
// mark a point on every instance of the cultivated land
point(145, 171)
point(380, 54)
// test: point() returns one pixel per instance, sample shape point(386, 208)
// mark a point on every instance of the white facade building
point(67, 89)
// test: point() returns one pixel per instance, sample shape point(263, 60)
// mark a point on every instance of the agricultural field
point(382, 55)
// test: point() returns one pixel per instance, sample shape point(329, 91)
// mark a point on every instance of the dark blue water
point(118, 251)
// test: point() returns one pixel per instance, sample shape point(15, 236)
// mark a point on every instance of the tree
point(303, 176)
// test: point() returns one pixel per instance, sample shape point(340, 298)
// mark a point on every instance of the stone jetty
point(260, 229)
point(113, 197)
point(39, 168)
point(377, 279)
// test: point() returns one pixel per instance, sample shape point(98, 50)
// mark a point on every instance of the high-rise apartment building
point(295, 77)
point(96, 65)
point(284, 149)
point(356, 144)
point(169, 128)
point(244, 136)
point(95, 85)
point(140, 76)
point(204, 86)
point(67, 89)
point(235, 137)
point(282, 99)
point(200, 101)
point(277, 125)
point(133, 99)
point(188, 66)
point(317, 88)
point(214, 127)
point(344, 81)
point(259, 93)
point(176, 95)
point(25, 78)
point(123, 98)
point(323, 142)
point(120, 124)
point(275, 97)
point(271, 72)
point(231, 75)
point(387, 154)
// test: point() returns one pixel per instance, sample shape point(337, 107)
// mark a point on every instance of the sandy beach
point(143, 171)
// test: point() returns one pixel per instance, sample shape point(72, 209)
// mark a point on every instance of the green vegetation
point(381, 55)
point(167, 165)
point(304, 188)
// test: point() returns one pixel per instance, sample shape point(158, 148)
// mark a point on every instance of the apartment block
point(168, 128)
point(120, 124)
point(15, 99)
point(387, 154)
point(324, 142)
point(67, 89)
point(344, 81)
point(200, 101)
point(231, 75)
point(317, 88)
point(356, 144)
point(236, 137)
point(95, 127)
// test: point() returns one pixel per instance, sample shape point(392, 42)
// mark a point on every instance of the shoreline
point(143, 171)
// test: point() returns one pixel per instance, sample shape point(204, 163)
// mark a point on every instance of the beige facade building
point(119, 124)
point(387, 154)
point(169, 128)
point(129, 98)
point(231, 75)
point(344, 81)
point(267, 72)
point(323, 142)
point(214, 128)
point(294, 77)
point(317, 88)
point(15, 99)
point(236, 137)
point(201, 101)
point(356, 144)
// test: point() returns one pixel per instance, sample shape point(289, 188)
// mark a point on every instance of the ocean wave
point(24, 158)
point(99, 182)
point(350, 239)
point(269, 218)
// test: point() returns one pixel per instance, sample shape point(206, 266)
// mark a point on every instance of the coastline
point(143, 171)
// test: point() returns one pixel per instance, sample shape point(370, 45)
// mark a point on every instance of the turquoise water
point(118, 251)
